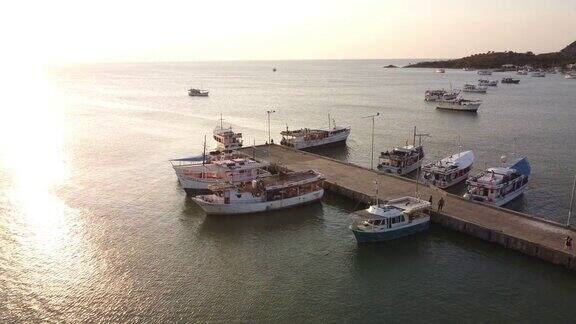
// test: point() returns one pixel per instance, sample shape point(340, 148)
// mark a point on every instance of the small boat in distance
point(307, 138)
point(487, 83)
point(484, 72)
point(459, 104)
point(403, 160)
point(284, 190)
point(441, 94)
point(440, 70)
point(449, 171)
point(384, 222)
point(474, 88)
point(193, 92)
point(500, 185)
point(510, 80)
point(522, 72)
point(570, 75)
point(538, 74)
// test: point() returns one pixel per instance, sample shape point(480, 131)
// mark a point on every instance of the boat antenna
point(221, 122)
point(419, 137)
point(204, 151)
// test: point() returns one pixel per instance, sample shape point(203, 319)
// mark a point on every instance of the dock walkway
point(527, 234)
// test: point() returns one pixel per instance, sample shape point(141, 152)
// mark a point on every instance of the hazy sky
point(60, 31)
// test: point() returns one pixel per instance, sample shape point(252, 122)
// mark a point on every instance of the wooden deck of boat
point(525, 233)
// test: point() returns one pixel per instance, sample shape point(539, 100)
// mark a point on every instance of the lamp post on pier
point(372, 151)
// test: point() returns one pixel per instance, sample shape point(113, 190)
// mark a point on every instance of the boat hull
point(500, 202)
point(457, 107)
point(336, 140)
point(258, 207)
point(368, 237)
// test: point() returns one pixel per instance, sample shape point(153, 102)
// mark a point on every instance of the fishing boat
point(484, 72)
point(284, 190)
point(499, 185)
point(510, 80)
point(538, 74)
point(440, 94)
point(487, 83)
point(384, 222)
point(448, 171)
point(307, 138)
point(459, 104)
point(522, 72)
point(570, 75)
point(440, 70)
point(226, 139)
point(198, 178)
point(474, 88)
point(193, 92)
point(403, 160)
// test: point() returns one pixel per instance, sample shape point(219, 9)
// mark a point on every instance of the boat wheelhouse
point(307, 138)
point(449, 171)
point(403, 160)
point(474, 88)
point(441, 94)
point(198, 178)
point(500, 185)
point(383, 222)
point(459, 104)
point(284, 190)
point(487, 83)
point(193, 92)
point(510, 80)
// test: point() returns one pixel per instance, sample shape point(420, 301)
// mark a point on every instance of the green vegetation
point(493, 60)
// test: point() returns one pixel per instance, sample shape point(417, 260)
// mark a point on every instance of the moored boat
point(307, 138)
point(384, 222)
point(448, 171)
point(193, 92)
point(474, 88)
point(226, 139)
point(440, 70)
point(284, 190)
point(484, 72)
point(487, 83)
point(570, 75)
point(440, 94)
point(404, 159)
point(198, 178)
point(510, 80)
point(522, 72)
point(538, 74)
point(499, 185)
point(459, 104)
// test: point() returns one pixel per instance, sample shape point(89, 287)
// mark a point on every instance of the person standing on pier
point(440, 204)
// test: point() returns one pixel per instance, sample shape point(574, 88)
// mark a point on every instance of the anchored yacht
point(449, 171)
point(459, 104)
point(307, 138)
point(383, 222)
point(500, 185)
point(487, 83)
point(284, 190)
point(510, 80)
point(474, 88)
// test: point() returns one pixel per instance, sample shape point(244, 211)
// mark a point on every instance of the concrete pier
point(530, 235)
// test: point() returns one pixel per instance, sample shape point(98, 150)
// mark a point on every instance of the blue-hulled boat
point(383, 222)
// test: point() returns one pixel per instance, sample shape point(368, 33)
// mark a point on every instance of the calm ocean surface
point(94, 227)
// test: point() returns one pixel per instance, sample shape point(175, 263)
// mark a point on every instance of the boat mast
point(571, 202)
point(204, 151)
point(376, 190)
point(221, 122)
point(328, 121)
point(372, 150)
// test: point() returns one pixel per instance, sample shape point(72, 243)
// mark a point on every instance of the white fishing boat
point(448, 171)
point(402, 160)
point(538, 74)
point(440, 70)
point(459, 104)
point(487, 83)
point(474, 88)
point(284, 190)
point(198, 178)
point(500, 185)
point(193, 92)
point(522, 72)
point(484, 72)
point(226, 139)
point(384, 222)
point(307, 138)
point(440, 94)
